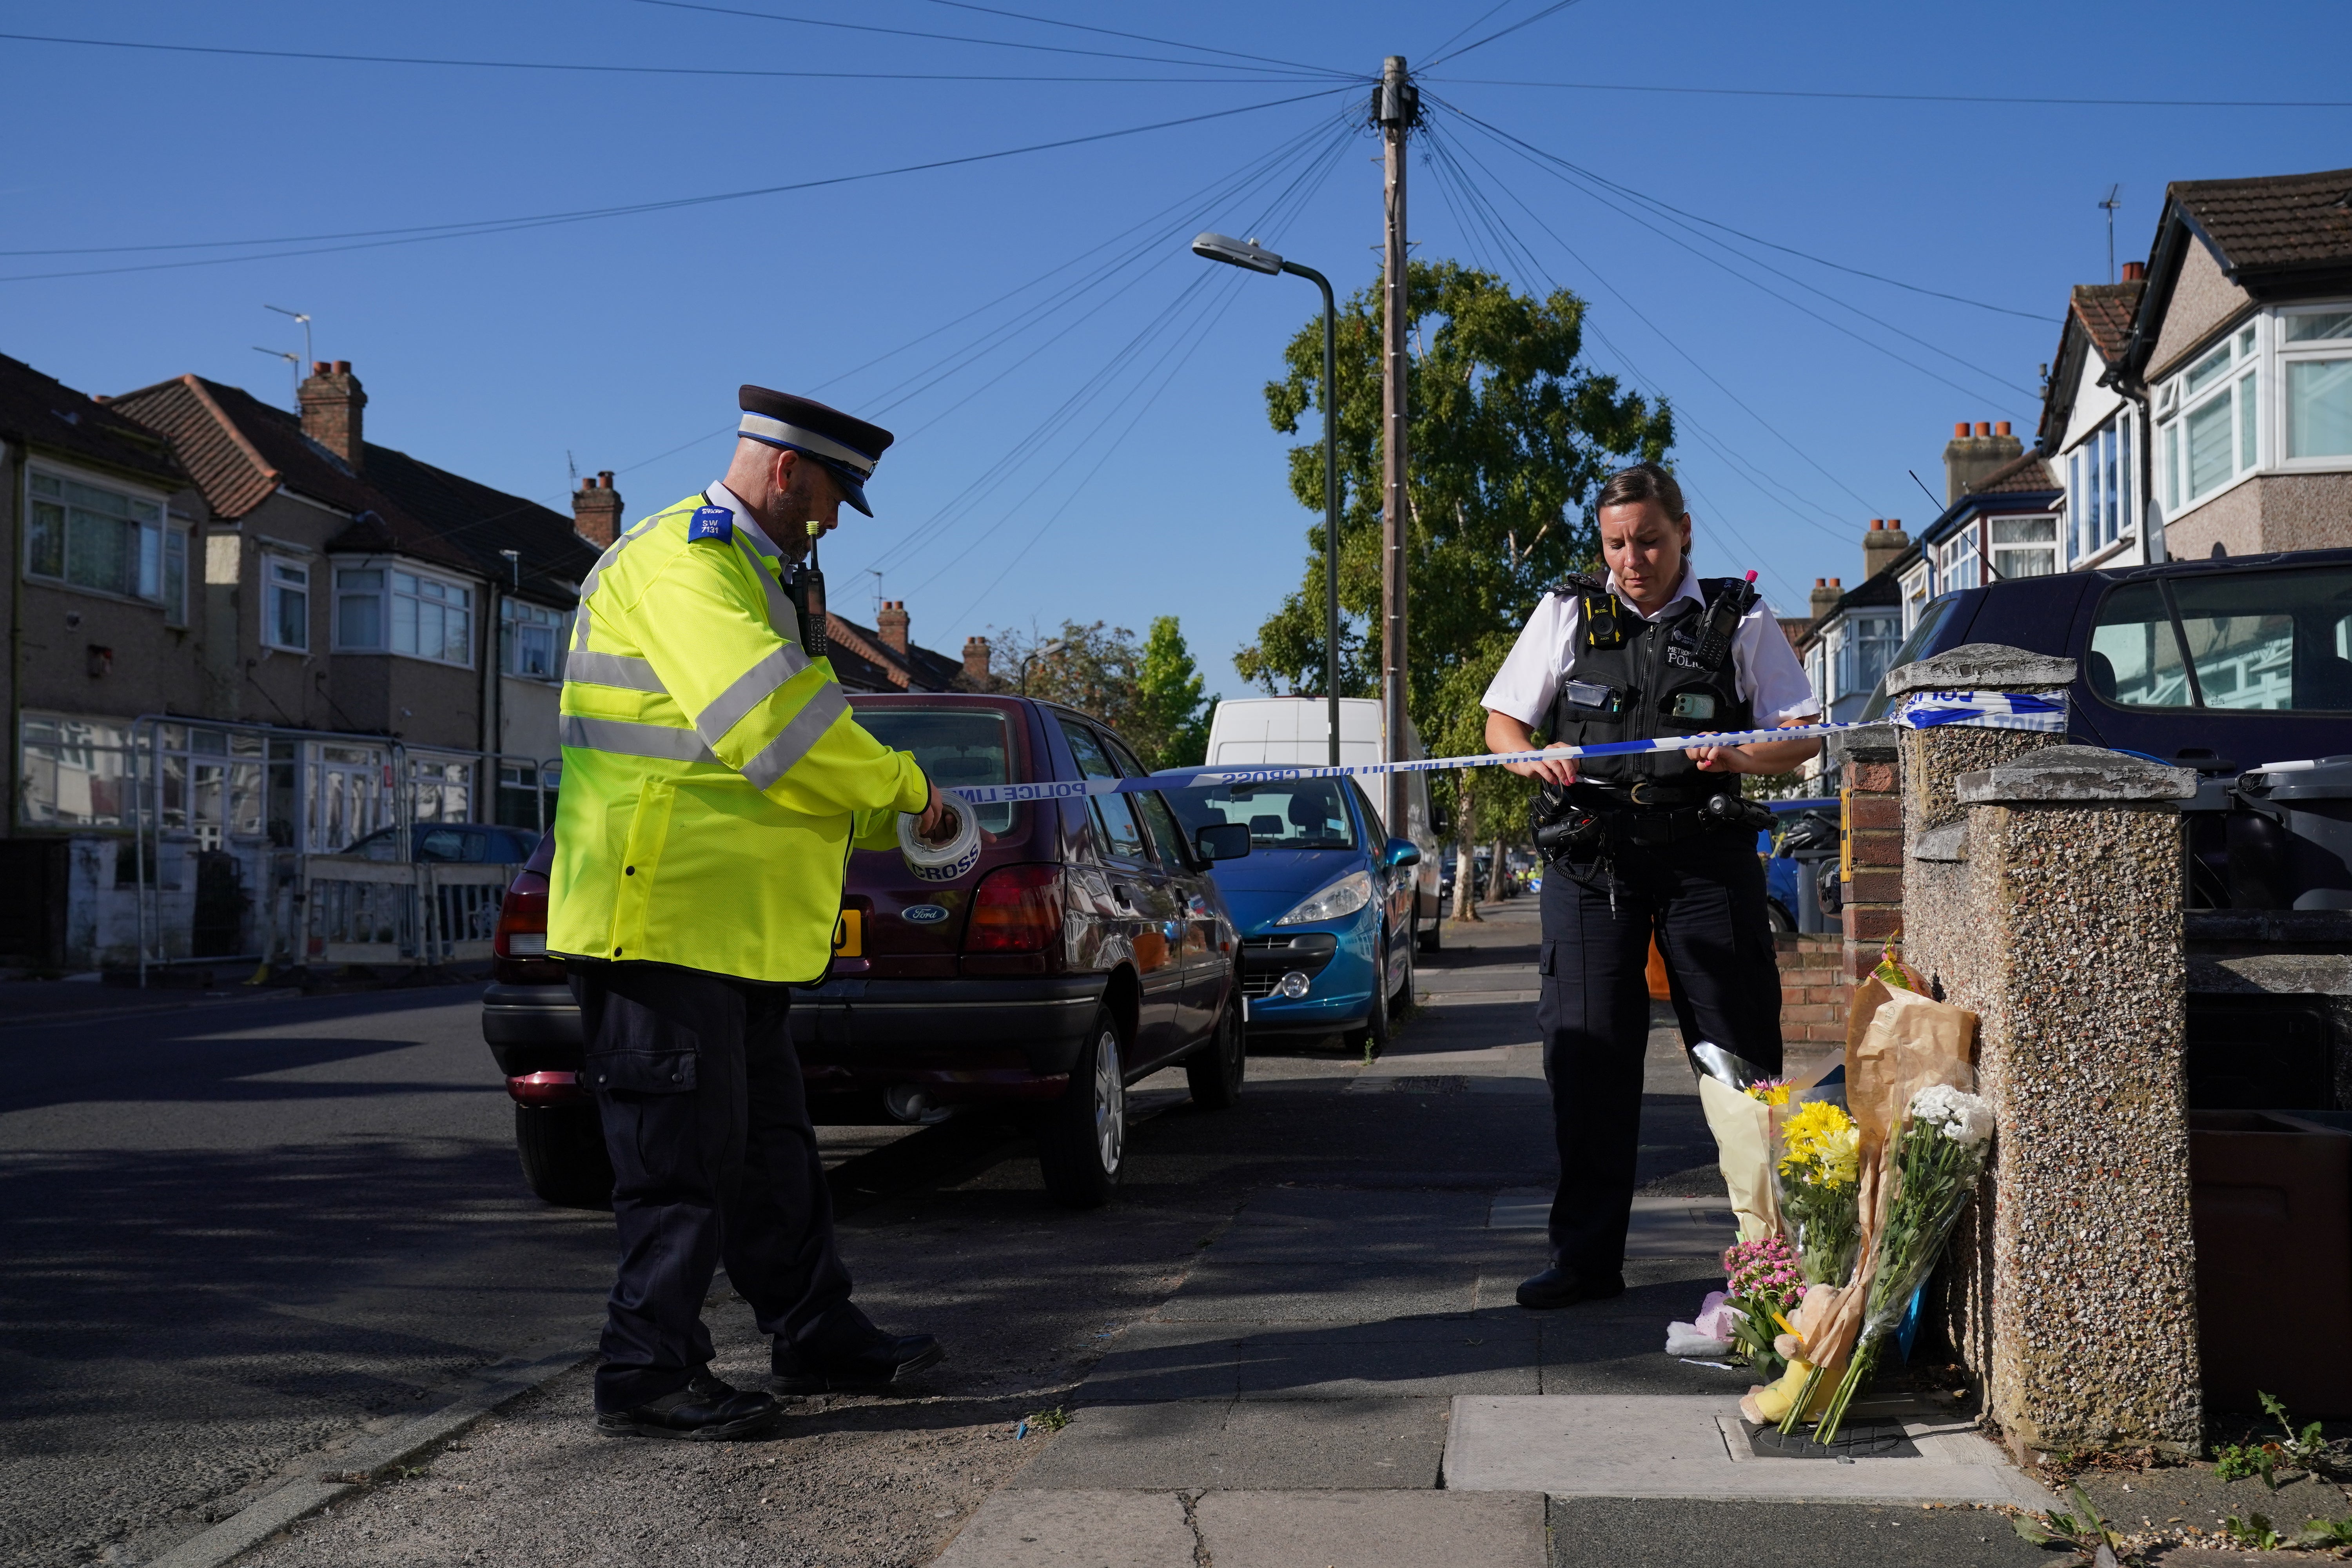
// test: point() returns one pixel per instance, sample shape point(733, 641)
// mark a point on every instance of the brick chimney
point(975, 660)
point(1970, 459)
point(1882, 544)
point(332, 400)
point(892, 624)
point(596, 510)
point(1827, 592)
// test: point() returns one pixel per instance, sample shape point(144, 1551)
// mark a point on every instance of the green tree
point(1171, 724)
point(1510, 438)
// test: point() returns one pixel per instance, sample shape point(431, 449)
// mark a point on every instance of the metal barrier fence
point(356, 910)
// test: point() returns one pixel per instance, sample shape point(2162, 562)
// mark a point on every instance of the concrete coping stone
point(1980, 666)
point(1871, 743)
point(2059, 773)
point(1949, 842)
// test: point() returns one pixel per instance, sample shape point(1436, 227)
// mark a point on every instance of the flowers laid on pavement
point(1818, 1173)
point(1934, 1161)
point(1764, 1286)
point(1771, 1091)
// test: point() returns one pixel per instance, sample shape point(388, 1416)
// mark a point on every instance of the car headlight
point(1342, 898)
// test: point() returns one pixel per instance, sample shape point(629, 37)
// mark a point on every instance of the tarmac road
point(232, 1233)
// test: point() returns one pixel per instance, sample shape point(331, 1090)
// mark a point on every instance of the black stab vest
point(1633, 680)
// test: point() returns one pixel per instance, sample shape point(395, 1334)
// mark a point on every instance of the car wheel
point(1400, 999)
point(563, 1159)
point(1215, 1071)
point(1782, 922)
point(1372, 1038)
point(1430, 934)
point(1082, 1140)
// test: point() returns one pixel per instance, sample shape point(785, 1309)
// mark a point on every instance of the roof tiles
point(2275, 223)
point(41, 411)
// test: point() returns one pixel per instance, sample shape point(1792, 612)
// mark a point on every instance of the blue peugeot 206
point(1323, 901)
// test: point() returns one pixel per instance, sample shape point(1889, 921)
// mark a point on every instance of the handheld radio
point(1723, 623)
point(812, 637)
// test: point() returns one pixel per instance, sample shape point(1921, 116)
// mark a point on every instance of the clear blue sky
point(1100, 457)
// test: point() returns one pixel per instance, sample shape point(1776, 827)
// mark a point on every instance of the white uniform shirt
point(1768, 675)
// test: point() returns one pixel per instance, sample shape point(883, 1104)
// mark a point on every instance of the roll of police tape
point(1920, 710)
point(941, 862)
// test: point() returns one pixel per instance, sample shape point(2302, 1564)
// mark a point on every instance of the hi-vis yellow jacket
point(713, 779)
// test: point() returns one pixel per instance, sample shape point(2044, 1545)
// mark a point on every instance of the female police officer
point(1648, 847)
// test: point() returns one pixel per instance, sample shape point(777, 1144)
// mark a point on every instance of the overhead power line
point(376, 238)
point(561, 66)
point(1556, 6)
point(1912, 97)
point(1136, 38)
point(968, 39)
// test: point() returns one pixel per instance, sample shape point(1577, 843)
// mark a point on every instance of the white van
point(1296, 731)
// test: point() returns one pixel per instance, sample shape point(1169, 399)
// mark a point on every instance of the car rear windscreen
point(1307, 814)
point(953, 745)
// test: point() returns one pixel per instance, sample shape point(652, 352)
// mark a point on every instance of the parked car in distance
point(1325, 902)
point(2220, 665)
point(451, 843)
point(1295, 732)
point(1805, 839)
point(1088, 948)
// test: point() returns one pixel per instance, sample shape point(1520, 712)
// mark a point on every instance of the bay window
point(529, 635)
point(2316, 367)
point(2024, 546)
point(2211, 425)
point(1863, 651)
point(93, 536)
point(385, 608)
point(1958, 564)
point(2100, 489)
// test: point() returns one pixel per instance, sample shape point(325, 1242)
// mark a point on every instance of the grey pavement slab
point(1633, 1532)
point(1659, 1227)
point(1371, 1529)
point(1651, 1445)
point(1314, 1290)
point(1252, 1444)
point(1168, 1361)
point(1093, 1528)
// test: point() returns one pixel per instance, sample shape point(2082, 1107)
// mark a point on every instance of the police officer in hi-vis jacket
point(1654, 844)
point(714, 782)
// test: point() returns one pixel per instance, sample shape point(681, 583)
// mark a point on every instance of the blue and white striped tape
point(1920, 710)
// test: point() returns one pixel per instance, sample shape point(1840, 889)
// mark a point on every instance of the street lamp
point(1249, 254)
point(1051, 647)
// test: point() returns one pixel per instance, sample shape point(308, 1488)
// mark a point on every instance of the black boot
point(1558, 1286)
point(873, 1363)
point(706, 1410)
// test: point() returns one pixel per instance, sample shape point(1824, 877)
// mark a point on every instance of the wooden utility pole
point(1397, 108)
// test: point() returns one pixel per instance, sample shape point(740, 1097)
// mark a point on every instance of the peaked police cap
point(848, 446)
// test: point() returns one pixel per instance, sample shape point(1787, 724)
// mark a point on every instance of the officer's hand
point(936, 816)
point(1562, 772)
point(1716, 759)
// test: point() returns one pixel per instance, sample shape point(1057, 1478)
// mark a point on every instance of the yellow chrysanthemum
point(1772, 1091)
point(1821, 1141)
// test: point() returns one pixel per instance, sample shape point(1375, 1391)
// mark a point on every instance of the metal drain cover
point(1855, 1440)
point(1431, 1083)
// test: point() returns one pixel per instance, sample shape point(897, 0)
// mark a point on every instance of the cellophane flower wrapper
point(1935, 1161)
point(1814, 1175)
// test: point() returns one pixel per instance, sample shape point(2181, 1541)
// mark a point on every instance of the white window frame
point(153, 535)
point(180, 550)
point(389, 593)
point(2095, 521)
point(272, 564)
point(2248, 384)
point(2055, 544)
point(516, 614)
point(1914, 586)
point(2284, 353)
point(1952, 555)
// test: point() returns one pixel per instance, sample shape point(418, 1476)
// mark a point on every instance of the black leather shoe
point(1558, 1286)
point(706, 1410)
point(870, 1365)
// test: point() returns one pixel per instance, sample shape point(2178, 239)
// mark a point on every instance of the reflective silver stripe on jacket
point(747, 690)
point(792, 743)
point(787, 624)
point(626, 738)
point(613, 670)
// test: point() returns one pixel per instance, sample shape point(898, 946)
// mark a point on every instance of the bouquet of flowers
point(1818, 1173)
point(1931, 1167)
point(1762, 1292)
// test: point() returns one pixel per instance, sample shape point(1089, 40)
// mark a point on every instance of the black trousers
point(1703, 897)
point(706, 1120)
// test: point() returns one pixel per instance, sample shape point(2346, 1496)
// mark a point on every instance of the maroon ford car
point(1088, 948)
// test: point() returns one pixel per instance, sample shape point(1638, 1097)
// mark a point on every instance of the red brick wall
point(1873, 855)
point(1813, 995)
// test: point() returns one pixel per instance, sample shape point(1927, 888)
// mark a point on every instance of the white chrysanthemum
point(1965, 1118)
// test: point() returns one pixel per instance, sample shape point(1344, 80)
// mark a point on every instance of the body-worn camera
point(1738, 811)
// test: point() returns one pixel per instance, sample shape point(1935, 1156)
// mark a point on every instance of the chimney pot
point(342, 367)
point(1960, 431)
point(1837, 582)
point(2001, 428)
point(597, 512)
point(320, 367)
point(1983, 428)
point(1820, 581)
point(2135, 271)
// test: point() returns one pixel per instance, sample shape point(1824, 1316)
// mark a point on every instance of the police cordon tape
point(1920, 710)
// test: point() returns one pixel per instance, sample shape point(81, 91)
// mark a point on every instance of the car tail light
point(522, 923)
point(1016, 909)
